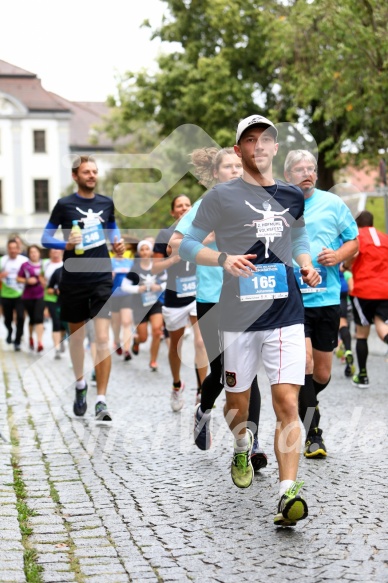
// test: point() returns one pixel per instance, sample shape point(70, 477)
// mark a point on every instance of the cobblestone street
point(138, 501)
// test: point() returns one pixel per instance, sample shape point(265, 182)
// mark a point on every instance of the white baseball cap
point(253, 120)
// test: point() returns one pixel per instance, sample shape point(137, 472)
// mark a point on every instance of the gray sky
point(76, 48)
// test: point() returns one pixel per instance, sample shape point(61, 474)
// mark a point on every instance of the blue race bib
point(93, 236)
point(305, 288)
point(149, 298)
point(186, 286)
point(268, 282)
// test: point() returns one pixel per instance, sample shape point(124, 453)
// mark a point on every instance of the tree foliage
point(332, 64)
point(322, 64)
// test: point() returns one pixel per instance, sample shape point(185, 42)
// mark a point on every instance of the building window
point(39, 141)
point(41, 196)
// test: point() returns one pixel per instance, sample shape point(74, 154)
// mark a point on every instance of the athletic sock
point(344, 333)
point(241, 444)
point(362, 352)
point(320, 386)
point(100, 399)
point(284, 485)
point(307, 399)
point(80, 385)
point(177, 385)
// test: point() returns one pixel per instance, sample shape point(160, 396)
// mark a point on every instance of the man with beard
point(86, 283)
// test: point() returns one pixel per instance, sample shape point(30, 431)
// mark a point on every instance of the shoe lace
point(240, 460)
point(294, 489)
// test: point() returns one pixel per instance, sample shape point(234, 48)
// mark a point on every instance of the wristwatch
point(222, 258)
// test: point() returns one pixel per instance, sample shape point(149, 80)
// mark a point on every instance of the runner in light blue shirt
point(329, 223)
point(215, 166)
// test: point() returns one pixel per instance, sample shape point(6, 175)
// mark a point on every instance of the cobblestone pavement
point(138, 502)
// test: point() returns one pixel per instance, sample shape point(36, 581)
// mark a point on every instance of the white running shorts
point(282, 351)
point(176, 318)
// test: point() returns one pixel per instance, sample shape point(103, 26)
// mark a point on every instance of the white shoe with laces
point(176, 398)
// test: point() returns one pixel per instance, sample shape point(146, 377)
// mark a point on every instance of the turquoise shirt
point(209, 279)
point(329, 223)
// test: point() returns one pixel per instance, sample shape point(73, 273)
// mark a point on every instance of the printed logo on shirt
point(270, 226)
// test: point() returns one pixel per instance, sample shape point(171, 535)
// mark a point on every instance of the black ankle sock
point(177, 385)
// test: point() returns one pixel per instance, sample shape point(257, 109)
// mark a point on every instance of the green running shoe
point(360, 380)
point(292, 507)
point(241, 468)
point(340, 350)
point(349, 368)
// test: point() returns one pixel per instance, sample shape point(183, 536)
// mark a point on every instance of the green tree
point(331, 60)
point(321, 64)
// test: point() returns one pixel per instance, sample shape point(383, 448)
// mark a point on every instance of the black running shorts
point(81, 302)
point(364, 311)
point(322, 325)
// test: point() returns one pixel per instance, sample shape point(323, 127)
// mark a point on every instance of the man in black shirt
point(259, 228)
point(86, 283)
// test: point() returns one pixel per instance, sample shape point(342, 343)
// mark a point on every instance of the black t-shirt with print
point(257, 220)
point(178, 272)
point(92, 214)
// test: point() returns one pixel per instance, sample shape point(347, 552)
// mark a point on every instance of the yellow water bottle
point(79, 248)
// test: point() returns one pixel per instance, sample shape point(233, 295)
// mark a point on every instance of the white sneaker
point(176, 398)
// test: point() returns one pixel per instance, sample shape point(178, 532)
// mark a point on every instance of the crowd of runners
point(263, 269)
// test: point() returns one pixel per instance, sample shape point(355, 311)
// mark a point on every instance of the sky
point(76, 47)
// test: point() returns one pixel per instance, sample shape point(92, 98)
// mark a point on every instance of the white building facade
point(40, 133)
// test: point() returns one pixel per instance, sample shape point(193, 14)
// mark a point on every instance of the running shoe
point(102, 413)
point(202, 433)
point(135, 347)
point(292, 507)
point(118, 350)
point(241, 468)
point(17, 347)
point(80, 404)
point(176, 399)
point(315, 446)
point(258, 458)
point(40, 348)
point(127, 356)
point(360, 380)
point(153, 366)
point(9, 337)
point(340, 350)
point(31, 343)
point(93, 380)
point(349, 368)
point(57, 355)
